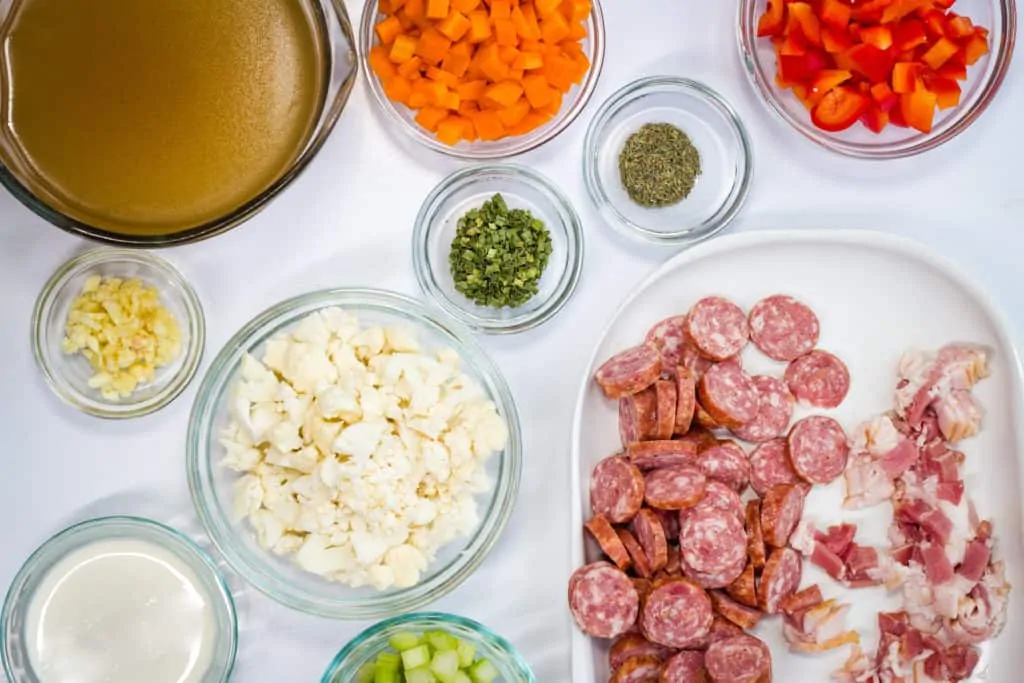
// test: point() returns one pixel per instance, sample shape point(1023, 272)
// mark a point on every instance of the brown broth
point(156, 116)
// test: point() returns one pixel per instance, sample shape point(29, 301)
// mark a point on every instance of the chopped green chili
point(659, 165)
point(499, 254)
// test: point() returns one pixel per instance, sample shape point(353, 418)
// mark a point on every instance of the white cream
point(120, 611)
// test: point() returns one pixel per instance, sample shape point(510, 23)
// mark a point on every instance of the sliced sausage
point(818, 449)
point(673, 566)
point(744, 589)
point(740, 659)
point(783, 328)
point(703, 419)
point(729, 395)
point(651, 535)
point(642, 669)
point(674, 488)
point(818, 379)
point(676, 614)
point(650, 455)
point(726, 463)
point(775, 410)
point(741, 615)
point(780, 578)
point(686, 399)
point(717, 327)
point(801, 600)
point(711, 580)
point(721, 629)
point(603, 532)
point(701, 438)
point(770, 465)
point(629, 372)
point(665, 391)
point(755, 535)
point(781, 510)
point(717, 496)
point(636, 553)
point(669, 522)
point(685, 667)
point(712, 542)
point(634, 645)
point(638, 416)
point(603, 601)
point(616, 489)
point(669, 337)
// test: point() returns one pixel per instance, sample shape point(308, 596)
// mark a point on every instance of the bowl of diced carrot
point(877, 79)
point(482, 79)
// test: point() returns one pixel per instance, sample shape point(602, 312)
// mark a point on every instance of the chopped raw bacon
point(801, 600)
point(959, 416)
point(950, 491)
point(937, 566)
point(960, 661)
point(975, 560)
point(863, 566)
point(819, 628)
point(930, 377)
point(828, 561)
point(900, 459)
point(837, 538)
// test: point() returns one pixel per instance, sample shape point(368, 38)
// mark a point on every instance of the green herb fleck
point(499, 254)
point(659, 165)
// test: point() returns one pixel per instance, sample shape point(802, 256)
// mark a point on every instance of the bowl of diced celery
point(428, 647)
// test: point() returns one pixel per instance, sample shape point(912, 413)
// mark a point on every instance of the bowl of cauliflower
point(353, 455)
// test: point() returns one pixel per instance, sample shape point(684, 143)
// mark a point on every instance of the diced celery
point(417, 656)
point(389, 660)
point(445, 666)
point(366, 673)
point(386, 674)
point(467, 653)
point(463, 677)
point(483, 672)
point(404, 641)
point(441, 641)
point(420, 675)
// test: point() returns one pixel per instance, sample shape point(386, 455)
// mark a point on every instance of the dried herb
point(659, 165)
point(499, 254)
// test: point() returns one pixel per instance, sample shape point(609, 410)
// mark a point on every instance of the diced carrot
point(527, 61)
point(455, 25)
point(431, 91)
point(505, 32)
point(437, 9)
point(415, 9)
point(579, 10)
point(554, 28)
point(398, 89)
point(388, 29)
point(577, 31)
point(465, 6)
point(467, 107)
point(449, 80)
point(552, 107)
point(533, 46)
point(432, 46)
point(559, 71)
point(450, 100)
point(456, 63)
point(508, 54)
point(381, 63)
point(524, 29)
point(411, 69)
point(403, 49)
point(514, 113)
point(429, 117)
point(451, 130)
point(472, 90)
point(490, 63)
point(538, 91)
point(530, 122)
point(501, 10)
point(505, 93)
point(488, 125)
point(546, 8)
point(480, 26)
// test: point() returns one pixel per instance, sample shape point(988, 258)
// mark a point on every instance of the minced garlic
point(124, 332)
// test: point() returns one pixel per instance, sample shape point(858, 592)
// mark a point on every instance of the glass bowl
point(337, 45)
point(400, 117)
point(212, 485)
point(365, 647)
point(13, 621)
point(716, 131)
point(983, 81)
point(68, 375)
point(522, 188)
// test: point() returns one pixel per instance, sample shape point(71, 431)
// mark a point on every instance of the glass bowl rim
point(1005, 10)
point(199, 463)
point(330, 114)
point(226, 603)
point(426, 223)
point(192, 354)
point(411, 619)
point(499, 151)
point(630, 93)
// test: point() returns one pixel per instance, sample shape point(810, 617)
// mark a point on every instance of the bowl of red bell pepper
point(878, 78)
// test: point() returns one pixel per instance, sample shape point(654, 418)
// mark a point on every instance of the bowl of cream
point(118, 600)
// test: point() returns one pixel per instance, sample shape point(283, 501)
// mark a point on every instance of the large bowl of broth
point(151, 123)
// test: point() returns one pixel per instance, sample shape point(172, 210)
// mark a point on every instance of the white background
point(347, 221)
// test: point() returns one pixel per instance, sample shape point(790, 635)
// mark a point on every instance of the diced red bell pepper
point(918, 109)
point(939, 53)
point(896, 117)
point(870, 11)
point(839, 108)
point(901, 8)
point(947, 91)
point(885, 99)
point(804, 15)
point(958, 27)
point(773, 20)
point(803, 68)
point(906, 76)
point(802, 93)
point(908, 34)
point(975, 48)
point(875, 119)
point(836, 13)
point(835, 40)
point(826, 80)
point(956, 72)
point(935, 23)
point(870, 61)
point(879, 36)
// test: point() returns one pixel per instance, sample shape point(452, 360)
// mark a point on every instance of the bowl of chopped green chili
point(667, 159)
point(498, 247)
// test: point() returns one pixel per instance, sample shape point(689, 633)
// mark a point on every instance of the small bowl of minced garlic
point(118, 333)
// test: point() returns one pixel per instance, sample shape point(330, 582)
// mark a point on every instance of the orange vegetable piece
point(388, 29)
point(505, 32)
point(508, 54)
point(437, 9)
point(836, 13)
point(415, 9)
point(480, 26)
point(975, 49)
point(472, 90)
point(432, 46)
point(454, 26)
point(430, 116)
point(514, 113)
point(449, 80)
point(578, 10)
point(451, 130)
point(537, 91)
point(456, 63)
point(490, 63)
point(526, 29)
point(501, 10)
point(552, 107)
point(527, 61)
point(546, 8)
point(879, 36)
point(577, 31)
point(899, 9)
point(411, 69)
point(554, 28)
point(530, 122)
point(918, 109)
point(381, 63)
point(465, 6)
point(939, 53)
point(947, 91)
point(803, 14)
point(403, 49)
point(905, 77)
point(488, 125)
point(504, 94)
point(398, 89)
point(450, 100)
point(468, 107)
point(560, 72)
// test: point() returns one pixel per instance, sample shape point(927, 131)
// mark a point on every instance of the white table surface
point(347, 222)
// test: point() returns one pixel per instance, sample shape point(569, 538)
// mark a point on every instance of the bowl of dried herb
point(667, 159)
point(498, 247)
